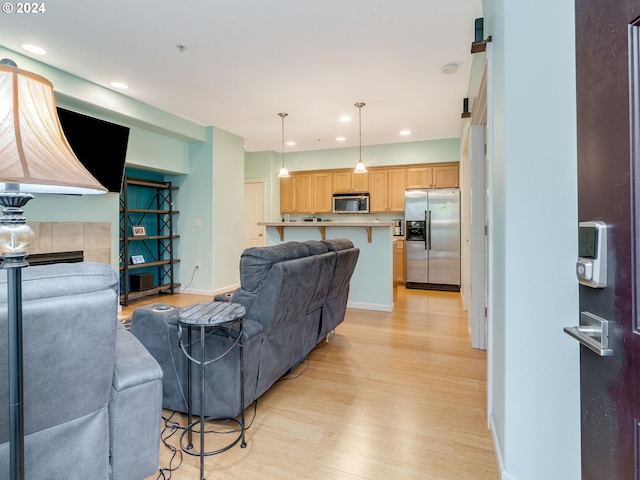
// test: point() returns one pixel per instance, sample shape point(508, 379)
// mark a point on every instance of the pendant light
point(360, 168)
point(284, 173)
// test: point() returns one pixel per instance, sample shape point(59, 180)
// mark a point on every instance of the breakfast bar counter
point(372, 282)
point(322, 226)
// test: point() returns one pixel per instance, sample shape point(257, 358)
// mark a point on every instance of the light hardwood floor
point(393, 395)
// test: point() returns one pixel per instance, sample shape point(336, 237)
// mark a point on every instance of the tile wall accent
point(93, 238)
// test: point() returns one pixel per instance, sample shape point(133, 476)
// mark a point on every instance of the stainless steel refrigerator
point(432, 234)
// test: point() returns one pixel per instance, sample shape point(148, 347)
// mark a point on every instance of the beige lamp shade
point(35, 156)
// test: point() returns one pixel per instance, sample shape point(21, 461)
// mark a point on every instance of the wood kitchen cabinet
point(378, 190)
point(422, 176)
point(295, 194)
point(306, 193)
point(400, 262)
point(347, 181)
point(287, 195)
point(386, 187)
point(341, 182)
point(322, 192)
point(397, 186)
point(446, 177)
point(312, 191)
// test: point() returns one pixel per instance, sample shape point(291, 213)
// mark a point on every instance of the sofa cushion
point(256, 262)
point(316, 247)
point(62, 279)
point(337, 244)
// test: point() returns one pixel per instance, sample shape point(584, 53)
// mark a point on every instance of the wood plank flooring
point(393, 395)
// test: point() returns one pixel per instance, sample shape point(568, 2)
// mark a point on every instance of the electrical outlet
point(198, 264)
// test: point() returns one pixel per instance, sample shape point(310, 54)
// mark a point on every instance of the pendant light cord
point(360, 168)
point(282, 115)
point(360, 126)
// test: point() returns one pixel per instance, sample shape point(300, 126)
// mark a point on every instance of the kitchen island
point(372, 282)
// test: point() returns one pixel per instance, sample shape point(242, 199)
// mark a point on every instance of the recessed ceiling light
point(340, 139)
point(120, 85)
point(345, 118)
point(405, 132)
point(36, 50)
point(291, 144)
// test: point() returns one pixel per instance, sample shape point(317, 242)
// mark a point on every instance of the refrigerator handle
point(427, 242)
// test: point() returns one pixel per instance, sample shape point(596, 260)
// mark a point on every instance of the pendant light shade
point(284, 173)
point(360, 168)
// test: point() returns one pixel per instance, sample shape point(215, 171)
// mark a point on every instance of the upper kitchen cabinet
point(312, 191)
point(446, 176)
point(306, 193)
point(440, 176)
point(295, 193)
point(346, 181)
point(420, 177)
point(386, 187)
point(322, 192)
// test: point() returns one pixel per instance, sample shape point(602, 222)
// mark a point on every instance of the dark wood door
point(606, 174)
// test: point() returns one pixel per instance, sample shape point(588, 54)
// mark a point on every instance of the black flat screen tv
point(100, 146)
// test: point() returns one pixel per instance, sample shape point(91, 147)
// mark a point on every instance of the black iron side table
point(203, 316)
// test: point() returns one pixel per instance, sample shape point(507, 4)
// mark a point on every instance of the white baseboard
point(504, 475)
point(210, 293)
point(194, 291)
point(370, 306)
point(229, 288)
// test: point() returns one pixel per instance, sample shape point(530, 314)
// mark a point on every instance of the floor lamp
point(35, 157)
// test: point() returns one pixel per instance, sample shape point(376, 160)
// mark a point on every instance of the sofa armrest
point(135, 409)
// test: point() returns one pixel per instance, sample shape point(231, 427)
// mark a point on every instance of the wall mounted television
point(99, 145)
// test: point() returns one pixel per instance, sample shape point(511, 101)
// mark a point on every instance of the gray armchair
point(92, 393)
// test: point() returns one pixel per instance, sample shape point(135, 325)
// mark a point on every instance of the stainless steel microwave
point(351, 202)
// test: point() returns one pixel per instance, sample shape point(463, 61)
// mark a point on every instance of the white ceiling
point(247, 60)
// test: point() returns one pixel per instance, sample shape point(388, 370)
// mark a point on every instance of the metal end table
point(203, 316)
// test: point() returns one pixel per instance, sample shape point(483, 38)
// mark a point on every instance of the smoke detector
point(449, 68)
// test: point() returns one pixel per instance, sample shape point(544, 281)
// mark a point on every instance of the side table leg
point(189, 402)
point(202, 365)
point(243, 444)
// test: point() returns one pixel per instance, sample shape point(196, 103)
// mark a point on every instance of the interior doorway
point(477, 194)
point(254, 212)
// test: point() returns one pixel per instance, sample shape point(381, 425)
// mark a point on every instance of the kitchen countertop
point(328, 224)
point(280, 226)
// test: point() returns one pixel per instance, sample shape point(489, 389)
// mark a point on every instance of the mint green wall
point(534, 367)
point(428, 151)
point(212, 193)
point(228, 213)
point(158, 153)
point(194, 202)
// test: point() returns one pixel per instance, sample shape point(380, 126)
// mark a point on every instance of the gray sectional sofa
point(294, 294)
point(92, 393)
